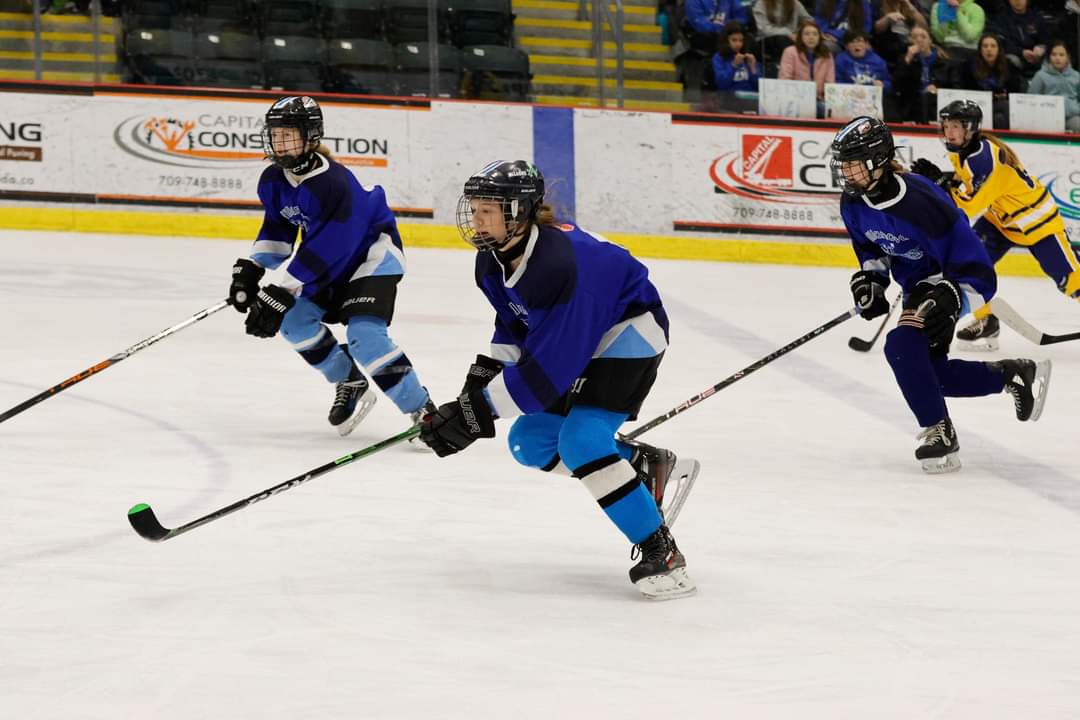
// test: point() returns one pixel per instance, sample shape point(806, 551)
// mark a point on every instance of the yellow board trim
point(246, 227)
point(58, 76)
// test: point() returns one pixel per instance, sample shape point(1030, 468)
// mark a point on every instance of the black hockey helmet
point(517, 184)
point(864, 139)
point(302, 113)
point(967, 112)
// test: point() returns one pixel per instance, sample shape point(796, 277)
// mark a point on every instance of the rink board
point(183, 161)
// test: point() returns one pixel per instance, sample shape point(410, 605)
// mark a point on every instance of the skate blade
point(980, 345)
point(669, 586)
point(940, 466)
point(678, 488)
point(1041, 383)
point(363, 407)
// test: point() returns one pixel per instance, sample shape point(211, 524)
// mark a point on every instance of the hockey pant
point(584, 442)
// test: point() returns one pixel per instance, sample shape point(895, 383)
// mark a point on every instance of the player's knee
point(898, 341)
point(302, 322)
point(585, 438)
point(533, 439)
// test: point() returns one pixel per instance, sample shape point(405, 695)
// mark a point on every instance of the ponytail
point(1010, 157)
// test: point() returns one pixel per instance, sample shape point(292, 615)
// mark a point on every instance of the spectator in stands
point(892, 31)
point(860, 65)
point(989, 70)
point(706, 20)
point(837, 17)
point(1057, 77)
point(777, 22)
point(808, 59)
point(957, 25)
point(923, 68)
point(733, 68)
point(1023, 37)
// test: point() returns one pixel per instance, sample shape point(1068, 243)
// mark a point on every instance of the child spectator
point(918, 74)
point(837, 17)
point(734, 69)
point(706, 20)
point(777, 22)
point(957, 25)
point(1058, 77)
point(989, 70)
point(1023, 37)
point(808, 59)
point(860, 65)
point(892, 31)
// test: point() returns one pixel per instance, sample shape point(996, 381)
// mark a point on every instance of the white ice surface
point(836, 579)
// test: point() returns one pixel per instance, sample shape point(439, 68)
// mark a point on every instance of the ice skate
point(661, 572)
point(353, 400)
point(667, 478)
point(980, 336)
point(417, 418)
point(940, 450)
point(1027, 381)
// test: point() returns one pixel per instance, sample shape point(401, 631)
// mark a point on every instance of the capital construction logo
point(766, 160)
point(211, 141)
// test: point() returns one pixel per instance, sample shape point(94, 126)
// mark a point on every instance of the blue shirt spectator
point(710, 16)
point(860, 65)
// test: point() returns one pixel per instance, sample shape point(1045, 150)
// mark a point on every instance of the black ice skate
point(353, 400)
point(981, 335)
point(1027, 382)
point(667, 478)
point(940, 450)
point(418, 417)
point(661, 572)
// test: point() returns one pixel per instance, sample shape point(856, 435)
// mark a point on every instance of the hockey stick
point(145, 522)
point(686, 405)
point(859, 345)
point(1010, 317)
point(94, 370)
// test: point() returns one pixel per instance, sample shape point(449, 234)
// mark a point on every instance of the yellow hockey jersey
point(1018, 204)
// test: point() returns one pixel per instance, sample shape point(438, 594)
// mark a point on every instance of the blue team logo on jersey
point(897, 245)
point(295, 216)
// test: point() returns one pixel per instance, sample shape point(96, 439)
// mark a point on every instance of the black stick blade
point(860, 345)
point(145, 522)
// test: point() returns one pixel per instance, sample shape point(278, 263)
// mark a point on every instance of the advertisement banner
point(36, 143)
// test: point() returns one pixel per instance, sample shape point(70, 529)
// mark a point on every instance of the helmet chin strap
point(884, 188)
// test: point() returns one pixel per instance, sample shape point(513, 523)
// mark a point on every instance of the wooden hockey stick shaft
point(109, 362)
point(709, 392)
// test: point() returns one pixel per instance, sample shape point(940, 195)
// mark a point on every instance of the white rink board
point(633, 172)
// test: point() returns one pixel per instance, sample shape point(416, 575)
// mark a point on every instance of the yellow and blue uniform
point(1013, 209)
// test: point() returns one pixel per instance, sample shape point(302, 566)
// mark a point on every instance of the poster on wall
point(167, 150)
point(36, 145)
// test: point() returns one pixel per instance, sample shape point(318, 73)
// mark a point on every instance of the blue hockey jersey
point(573, 297)
point(919, 235)
point(348, 232)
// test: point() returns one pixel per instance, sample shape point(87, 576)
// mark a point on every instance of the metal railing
point(39, 43)
point(598, 13)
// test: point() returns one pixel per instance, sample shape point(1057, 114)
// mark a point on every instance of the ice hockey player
point(1011, 208)
point(905, 224)
point(346, 270)
point(579, 334)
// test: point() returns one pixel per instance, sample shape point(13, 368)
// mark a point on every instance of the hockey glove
point(933, 173)
point(268, 310)
point(456, 425)
point(246, 275)
point(481, 372)
point(938, 305)
point(869, 292)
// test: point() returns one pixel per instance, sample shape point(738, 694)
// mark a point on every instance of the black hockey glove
point(246, 275)
point(268, 310)
point(938, 304)
point(869, 292)
point(456, 425)
point(933, 173)
point(481, 372)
